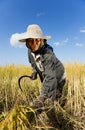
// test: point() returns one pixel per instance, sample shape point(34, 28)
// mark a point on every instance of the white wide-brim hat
point(33, 31)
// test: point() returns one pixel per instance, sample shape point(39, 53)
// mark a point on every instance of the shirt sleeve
point(50, 80)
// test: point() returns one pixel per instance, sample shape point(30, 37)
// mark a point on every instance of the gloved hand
point(34, 75)
point(39, 102)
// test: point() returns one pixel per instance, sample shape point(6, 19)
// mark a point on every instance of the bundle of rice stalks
point(19, 118)
point(27, 118)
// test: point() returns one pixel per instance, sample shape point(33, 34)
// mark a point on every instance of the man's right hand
point(34, 75)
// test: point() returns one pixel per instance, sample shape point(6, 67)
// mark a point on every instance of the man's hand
point(39, 102)
point(34, 75)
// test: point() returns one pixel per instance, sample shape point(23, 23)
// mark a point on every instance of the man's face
point(33, 44)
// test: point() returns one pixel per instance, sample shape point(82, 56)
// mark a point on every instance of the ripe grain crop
point(70, 117)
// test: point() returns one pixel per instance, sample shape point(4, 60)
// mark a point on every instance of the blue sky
point(64, 20)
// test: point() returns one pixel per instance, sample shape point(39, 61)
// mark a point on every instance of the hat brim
point(25, 36)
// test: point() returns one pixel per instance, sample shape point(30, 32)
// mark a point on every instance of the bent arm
point(50, 81)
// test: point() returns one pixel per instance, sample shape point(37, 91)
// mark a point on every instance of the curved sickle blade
point(19, 80)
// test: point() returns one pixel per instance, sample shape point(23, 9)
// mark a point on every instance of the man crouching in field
point(44, 62)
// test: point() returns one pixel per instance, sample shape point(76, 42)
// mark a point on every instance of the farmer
point(45, 64)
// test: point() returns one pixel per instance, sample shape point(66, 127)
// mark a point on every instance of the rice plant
point(16, 112)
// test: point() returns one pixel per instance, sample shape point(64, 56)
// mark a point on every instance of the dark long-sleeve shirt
point(49, 68)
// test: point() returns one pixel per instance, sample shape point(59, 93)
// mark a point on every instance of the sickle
point(19, 80)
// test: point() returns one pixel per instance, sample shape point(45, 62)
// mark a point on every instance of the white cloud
point(82, 30)
point(56, 43)
point(79, 44)
point(63, 42)
point(14, 40)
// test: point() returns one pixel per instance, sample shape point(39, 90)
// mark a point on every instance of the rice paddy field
point(17, 112)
